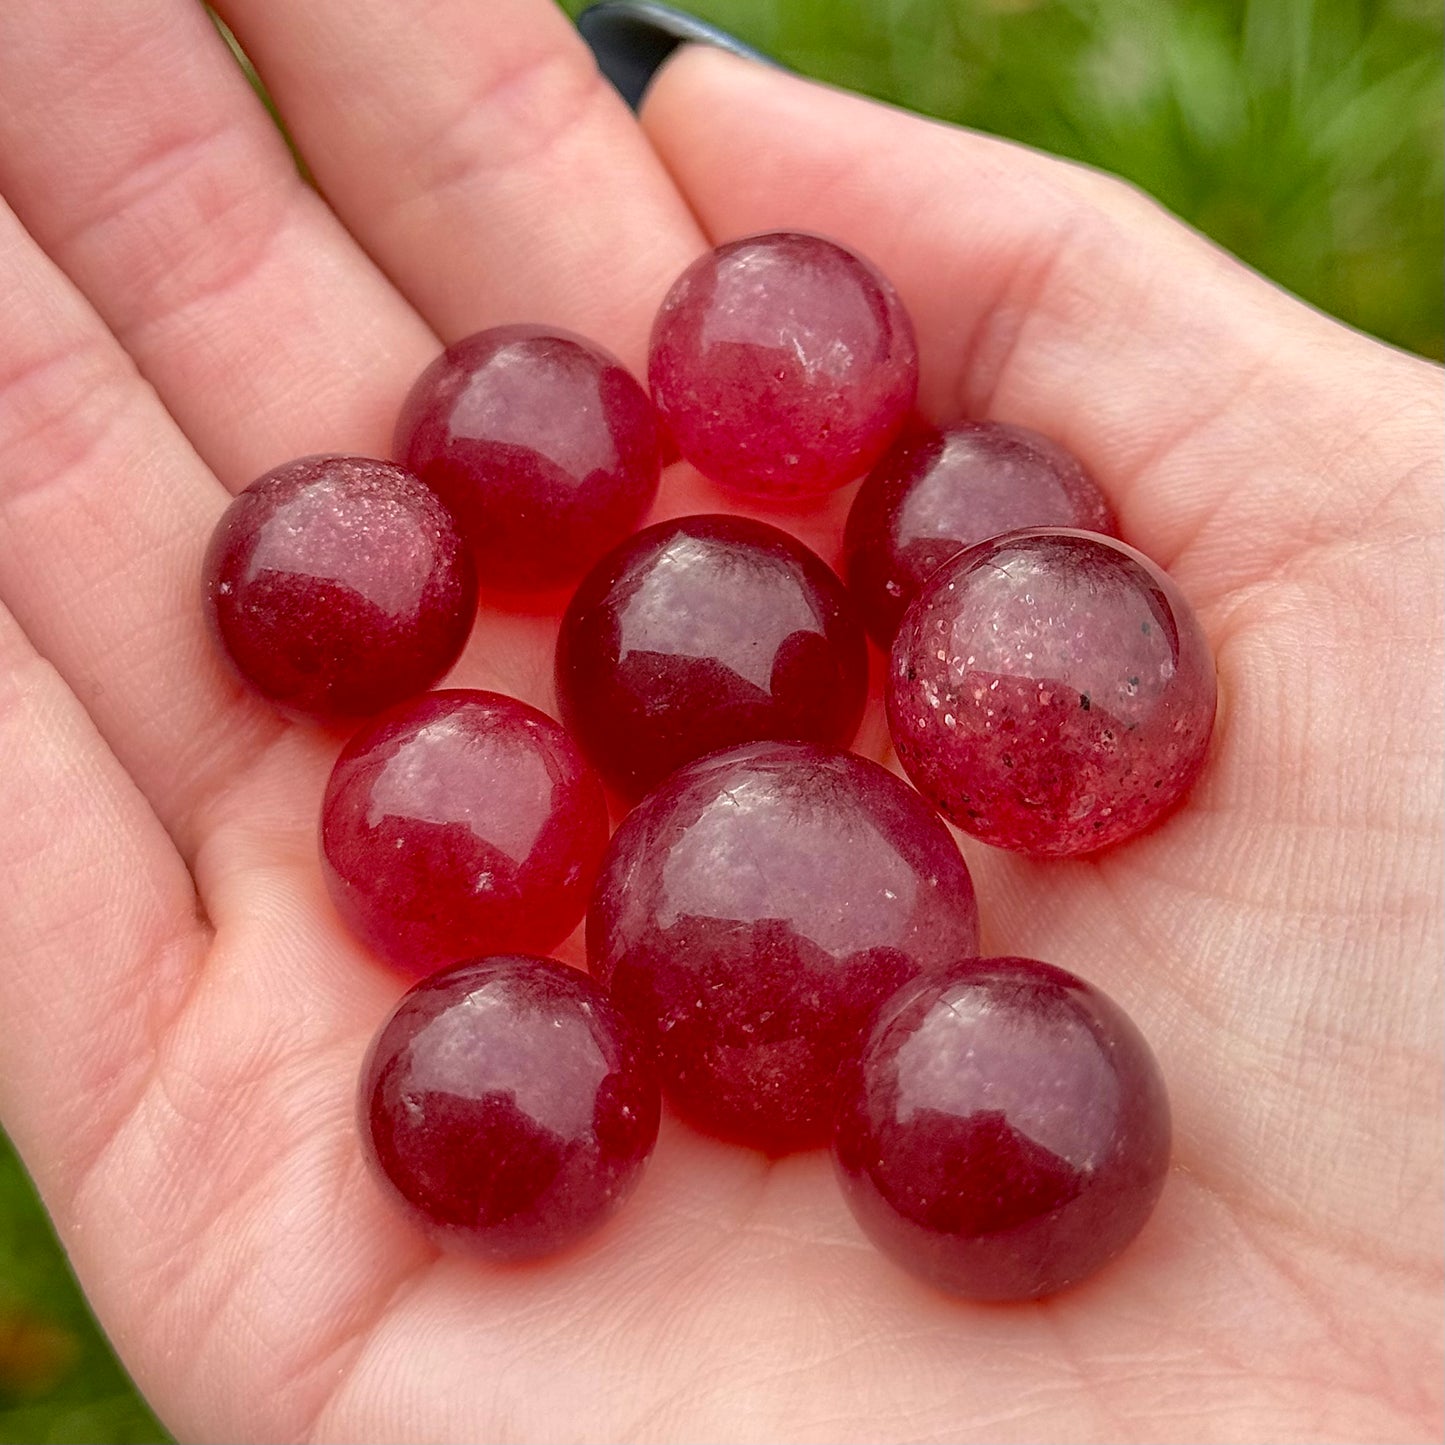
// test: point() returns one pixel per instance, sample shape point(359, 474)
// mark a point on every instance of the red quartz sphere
point(543, 445)
point(783, 365)
point(458, 824)
point(753, 911)
point(702, 633)
point(337, 586)
point(508, 1107)
point(1051, 692)
point(938, 491)
point(1004, 1130)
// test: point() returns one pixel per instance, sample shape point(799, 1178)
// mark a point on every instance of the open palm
point(181, 1016)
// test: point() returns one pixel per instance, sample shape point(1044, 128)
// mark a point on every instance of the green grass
point(1305, 137)
point(59, 1381)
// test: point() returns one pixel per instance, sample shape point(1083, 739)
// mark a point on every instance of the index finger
point(512, 186)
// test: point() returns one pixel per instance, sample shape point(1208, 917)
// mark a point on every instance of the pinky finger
point(100, 933)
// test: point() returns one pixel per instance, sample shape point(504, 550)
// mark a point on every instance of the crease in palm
point(1272, 938)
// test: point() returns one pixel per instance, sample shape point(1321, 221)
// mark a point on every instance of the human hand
point(181, 1016)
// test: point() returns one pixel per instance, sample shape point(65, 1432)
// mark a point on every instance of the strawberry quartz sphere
point(702, 633)
point(753, 911)
point(458, 824)
point(938, 491)
point(337, 586)
point(508, 1107)
point(783, 365)
point(1051, 692)
point(542, 444)
point(1003, 1131)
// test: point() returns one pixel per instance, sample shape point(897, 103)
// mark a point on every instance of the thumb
point(1208, 404)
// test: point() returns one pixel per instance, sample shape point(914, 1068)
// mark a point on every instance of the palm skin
point(181, 1017)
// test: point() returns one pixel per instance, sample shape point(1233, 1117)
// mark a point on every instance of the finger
point(185, 1107)
point(104, 514)
point(479, 156)
point(137, 155)
point(99, 927)
point(1051, 296)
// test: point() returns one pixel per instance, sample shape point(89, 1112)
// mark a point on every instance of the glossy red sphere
point(1004, 1130)
point(508, 1106)
point(1051, 692)
point(337, 586)
point(702, 633)
point(542, 444)
point(783, 364)
point(458, 824)
point(939, 491)
point(753, 911)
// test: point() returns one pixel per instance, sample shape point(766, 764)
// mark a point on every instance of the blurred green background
point(1304, 135)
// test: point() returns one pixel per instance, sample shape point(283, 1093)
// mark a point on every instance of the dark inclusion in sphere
point(1051, 692)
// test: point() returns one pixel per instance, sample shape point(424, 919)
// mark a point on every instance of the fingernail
point(632, 38)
